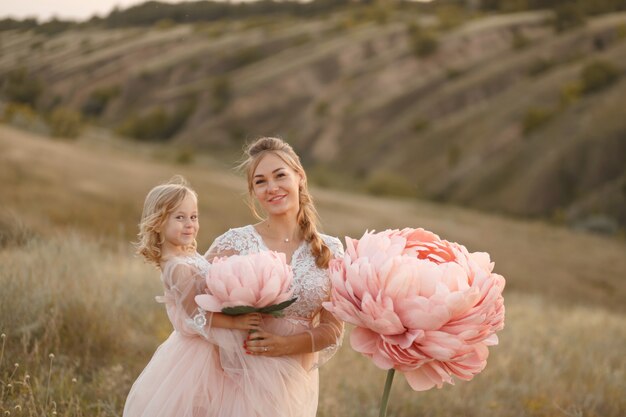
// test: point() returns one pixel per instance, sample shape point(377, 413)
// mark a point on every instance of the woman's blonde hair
point(160, 202)
point(307, 215)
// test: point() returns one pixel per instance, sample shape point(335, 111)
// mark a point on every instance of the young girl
point(202, 369)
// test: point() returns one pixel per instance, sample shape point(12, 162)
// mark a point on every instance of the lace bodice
point(310, 284)
point(196, 261)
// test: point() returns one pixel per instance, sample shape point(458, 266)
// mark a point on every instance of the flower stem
point(387, 390)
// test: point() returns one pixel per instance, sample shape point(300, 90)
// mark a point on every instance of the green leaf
point(239, 310)
point(277, 307)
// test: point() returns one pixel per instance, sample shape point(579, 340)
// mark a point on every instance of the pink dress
point(203, 371)
point(182, 378)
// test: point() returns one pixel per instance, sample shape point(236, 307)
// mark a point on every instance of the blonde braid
point(307, 220)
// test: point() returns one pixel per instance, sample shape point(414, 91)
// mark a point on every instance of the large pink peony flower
point(421, 305)
point(256, 281)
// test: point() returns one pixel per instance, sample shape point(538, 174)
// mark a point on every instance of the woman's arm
point(327, 334)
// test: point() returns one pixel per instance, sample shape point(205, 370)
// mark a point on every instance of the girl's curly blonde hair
point(160, 202)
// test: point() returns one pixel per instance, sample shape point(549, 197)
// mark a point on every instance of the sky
point(67, 9)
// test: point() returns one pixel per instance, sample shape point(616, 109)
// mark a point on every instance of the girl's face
point(275, 185)
point(181, 226)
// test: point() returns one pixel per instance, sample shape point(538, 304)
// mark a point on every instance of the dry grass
point(78, 318)
point(552, 361)
point(92, 306)
point(71, 287)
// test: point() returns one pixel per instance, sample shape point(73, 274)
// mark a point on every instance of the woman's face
point(275, 185)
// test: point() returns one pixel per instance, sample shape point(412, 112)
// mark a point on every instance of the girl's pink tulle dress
point(203, 371)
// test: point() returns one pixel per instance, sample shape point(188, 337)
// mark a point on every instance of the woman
point(307, 335)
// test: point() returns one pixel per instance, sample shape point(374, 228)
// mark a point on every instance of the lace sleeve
point(182, 283)
point(327, 335)
point(233, 242)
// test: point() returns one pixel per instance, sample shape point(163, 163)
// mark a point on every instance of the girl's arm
point(182, 283)
point(250, 321)
point(220, 248)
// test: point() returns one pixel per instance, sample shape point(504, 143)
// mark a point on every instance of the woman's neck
point(284, 228)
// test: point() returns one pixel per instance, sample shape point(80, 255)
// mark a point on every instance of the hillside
point(493, 117)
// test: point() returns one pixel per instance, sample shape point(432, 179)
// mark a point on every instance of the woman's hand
point(267, 344)
point(251, 321)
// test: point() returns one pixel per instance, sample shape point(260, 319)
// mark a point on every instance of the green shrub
point(164, 24)
point(184, 157)
point(387, 183)
point(568, 16)
point(177, 120)
point(453, 155)
point(157, 125)
point(344, 24)
point(450, 16)
point(36, 45)
point(453, 73)
point(321, 109)
point(570, 93)
point(17, 110)
point(539, 66)
point(54, 26)
point(519, 41)
point(420, 125)
point(221, 90)
point(322, 175)
point(377, 13)
point(301, 39)
point(246, 56)
point(21, 87)
point(150, 126)
point(423, 43)
point(65, 123)
point(598, 75)
point(237, 134)
point(536, 118)
point(98, 100)
point(24, 117)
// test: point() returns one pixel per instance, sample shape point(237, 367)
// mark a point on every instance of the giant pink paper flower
point(421, 305)
point(244, 283)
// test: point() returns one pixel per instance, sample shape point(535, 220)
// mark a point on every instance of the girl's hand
point(267, 344)
point(251, 321)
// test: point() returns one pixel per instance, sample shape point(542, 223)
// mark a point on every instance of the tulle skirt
point(196, 377)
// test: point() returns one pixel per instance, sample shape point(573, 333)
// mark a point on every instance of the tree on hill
point(19, 86)
point(586, 7)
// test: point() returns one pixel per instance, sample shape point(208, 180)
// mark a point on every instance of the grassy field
point(72, 288)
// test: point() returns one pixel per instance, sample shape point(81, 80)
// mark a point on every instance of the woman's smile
point(277, 199)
